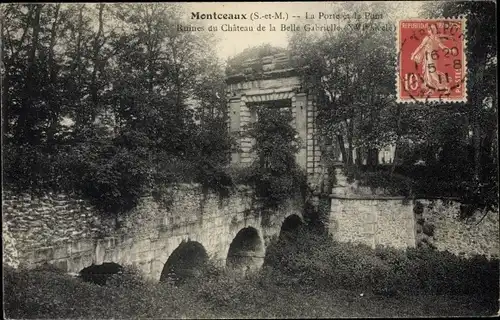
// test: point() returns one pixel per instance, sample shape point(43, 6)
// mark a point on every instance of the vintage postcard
point(214, 160)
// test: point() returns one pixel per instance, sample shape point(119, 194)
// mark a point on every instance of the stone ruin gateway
point(268, 77)
point(263, 81)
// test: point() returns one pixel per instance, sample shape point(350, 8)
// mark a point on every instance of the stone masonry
point(70, 234)
point(358, 215)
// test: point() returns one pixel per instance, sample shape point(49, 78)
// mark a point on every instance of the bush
point(113, 179)
point(393, 184)
point(113, 172)
point(128, 276)
point(319, 261)
point(274, 173)
point(48, 294)
point(210, 154)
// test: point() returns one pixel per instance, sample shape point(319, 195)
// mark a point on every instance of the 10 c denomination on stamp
point(431, 64)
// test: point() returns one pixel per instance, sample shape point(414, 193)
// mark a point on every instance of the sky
point(232, 43)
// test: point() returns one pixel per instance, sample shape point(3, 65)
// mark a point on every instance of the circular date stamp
point(431, 64)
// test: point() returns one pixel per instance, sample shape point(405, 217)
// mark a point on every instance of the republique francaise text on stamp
point(431, 62)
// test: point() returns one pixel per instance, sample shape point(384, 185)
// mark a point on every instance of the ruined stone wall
point(36, 221)
point(10, 253)
point(358, 214)
point(441, 225)
point(284, 87)
point(71, 235)
point(393, 222)
point(373, 222)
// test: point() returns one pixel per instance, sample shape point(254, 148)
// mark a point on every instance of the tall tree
point(482, 69)
point(351, 73)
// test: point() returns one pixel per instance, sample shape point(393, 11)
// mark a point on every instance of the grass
point(59, 296)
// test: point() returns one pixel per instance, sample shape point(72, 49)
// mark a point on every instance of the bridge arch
point(290, 226)
point(186, 261)
point(246, 251)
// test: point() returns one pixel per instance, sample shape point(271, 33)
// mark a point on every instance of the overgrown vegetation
point(391, 184)
point(110, 113)
point(319, 261)
point(446, 149)
point(305, 275)
point(274, 174)
point(115, 111)
point(236, 64)
point(432, 180)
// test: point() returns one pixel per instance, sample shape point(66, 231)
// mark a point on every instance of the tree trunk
point(476, 136)
point(5, 85)
point(487, 157)
point(93, 84)
point(393, 167)
point(149, 48)
point(56, 106)
point(372, 158)
point(350, 134)
point(26, 120)
point(398, 138)
point(359, 157)
point(76, 65)
point(53, 37)
point(178, 95)
point(76, 69)
point(343, 151)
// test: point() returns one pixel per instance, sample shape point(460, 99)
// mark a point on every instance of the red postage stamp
point(431, 64)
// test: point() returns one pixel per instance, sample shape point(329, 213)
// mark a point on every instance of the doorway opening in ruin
point(186, 261)
point(101, 273)
point(246, 252)
point(255, 107)
point(290, 227)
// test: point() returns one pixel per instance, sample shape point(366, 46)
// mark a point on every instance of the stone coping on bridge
point(381, 197)
point(366, 197)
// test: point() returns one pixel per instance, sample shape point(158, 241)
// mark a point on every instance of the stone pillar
point(246, 143)
point(310, 142)
point(339, 189)
point(301, 127)
point(313, 151)
point(234, 114)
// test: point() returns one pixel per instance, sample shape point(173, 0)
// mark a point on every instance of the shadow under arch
point(246, 251)
point(100, 273)
point(290, 227)
point(284, 246)
point(186, 261)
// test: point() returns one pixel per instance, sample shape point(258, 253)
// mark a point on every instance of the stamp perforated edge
point(465, 96)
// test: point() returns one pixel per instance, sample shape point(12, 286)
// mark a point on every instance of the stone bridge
point(157, 236)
